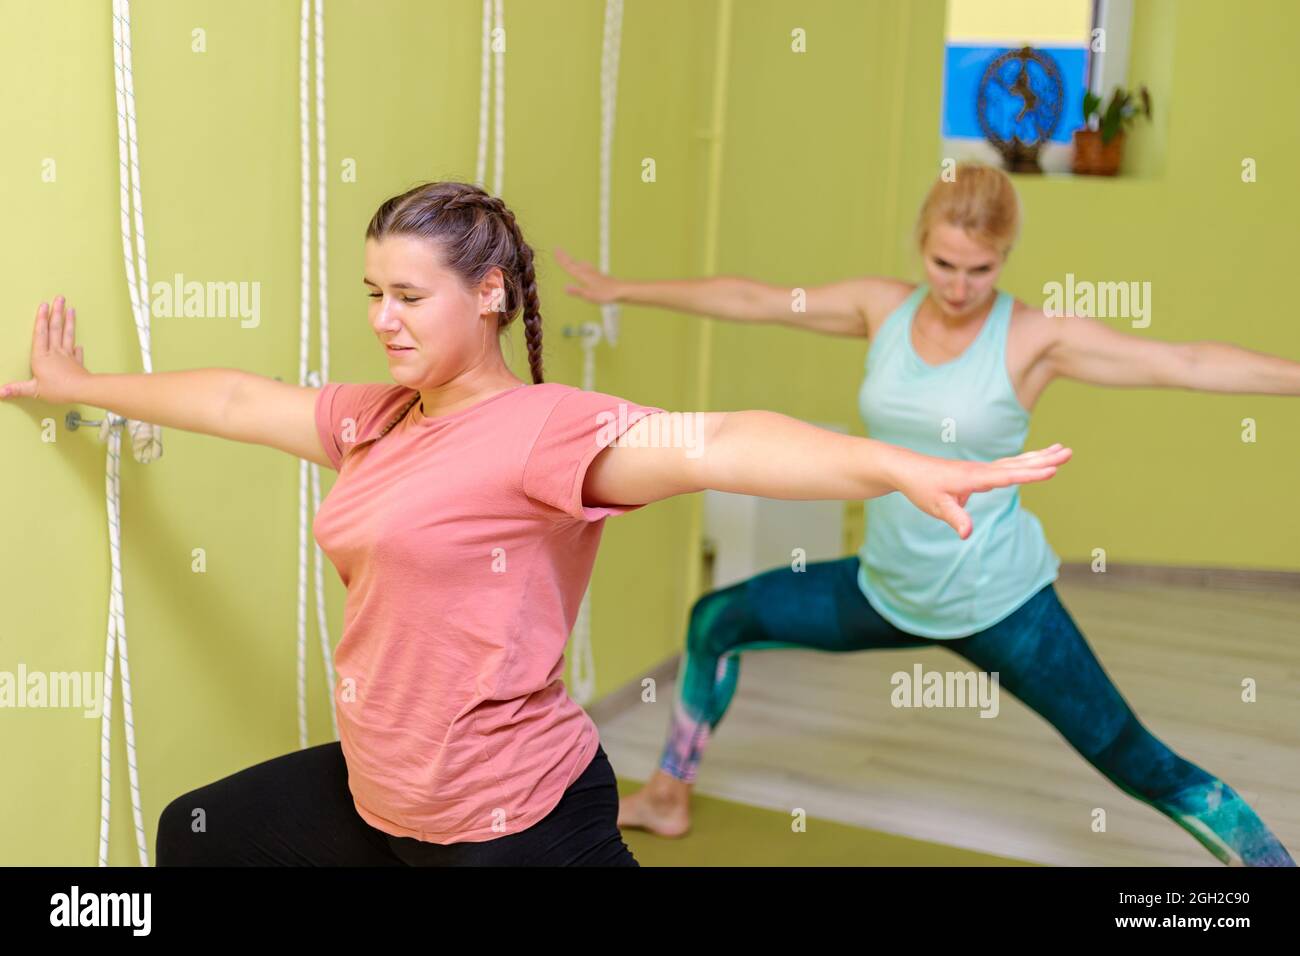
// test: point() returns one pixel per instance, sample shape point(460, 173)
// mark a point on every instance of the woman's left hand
point(941, 487)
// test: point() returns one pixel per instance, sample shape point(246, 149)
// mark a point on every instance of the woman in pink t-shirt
point(464, 524)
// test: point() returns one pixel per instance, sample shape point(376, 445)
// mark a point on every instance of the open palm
point(56, 361)
point(594, 285)
point(941, 488)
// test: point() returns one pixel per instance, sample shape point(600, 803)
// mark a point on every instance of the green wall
point(824, 158)
point(213, 655)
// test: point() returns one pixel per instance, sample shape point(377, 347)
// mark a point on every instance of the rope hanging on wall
point(146, 439)
point(494, 54)
point(584, 664)
point(312, 15)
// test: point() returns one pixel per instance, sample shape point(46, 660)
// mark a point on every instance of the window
point(1086, 41)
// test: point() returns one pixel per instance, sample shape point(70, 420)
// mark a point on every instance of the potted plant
point(1099, 143)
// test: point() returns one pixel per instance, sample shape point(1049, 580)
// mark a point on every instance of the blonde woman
point(464, 524)
point(954, 370)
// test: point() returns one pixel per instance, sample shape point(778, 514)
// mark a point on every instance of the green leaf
point(1112, 121)
point(1091, 103)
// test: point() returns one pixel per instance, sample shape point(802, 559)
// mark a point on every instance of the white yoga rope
point(584, 663)
point(309, 377)
point(146, 439)
point(608, 102)
point(493, 19)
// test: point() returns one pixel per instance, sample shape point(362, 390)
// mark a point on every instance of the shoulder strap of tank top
point(902, 312)
point(914, 300)
point(889, 336)
point(1001, 314)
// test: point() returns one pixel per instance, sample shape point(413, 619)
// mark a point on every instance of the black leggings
point(297, 810)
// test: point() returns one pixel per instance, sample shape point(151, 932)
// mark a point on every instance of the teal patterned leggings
point(1038, 653)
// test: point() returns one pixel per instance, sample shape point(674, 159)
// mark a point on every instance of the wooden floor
point(817, 731)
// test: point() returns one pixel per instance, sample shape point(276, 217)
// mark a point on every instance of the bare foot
point(662, 806)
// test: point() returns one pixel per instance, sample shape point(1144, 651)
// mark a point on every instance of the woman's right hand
point(595, 285)
point(57, 366)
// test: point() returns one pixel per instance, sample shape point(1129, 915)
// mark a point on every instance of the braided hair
point(476, 231)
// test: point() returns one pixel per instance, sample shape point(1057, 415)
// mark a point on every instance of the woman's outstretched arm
point(775, 456)
point(223, 402)
point(1090, 351)
point(837, 308)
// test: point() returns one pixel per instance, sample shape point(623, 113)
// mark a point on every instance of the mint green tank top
point(913, 568)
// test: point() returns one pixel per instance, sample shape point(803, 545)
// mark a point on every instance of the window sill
point(1056, 159)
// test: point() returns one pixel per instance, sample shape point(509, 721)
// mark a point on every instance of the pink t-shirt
point(465, 549)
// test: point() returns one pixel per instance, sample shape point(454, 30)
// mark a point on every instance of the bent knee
point(182, 838)
point(721, 620)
